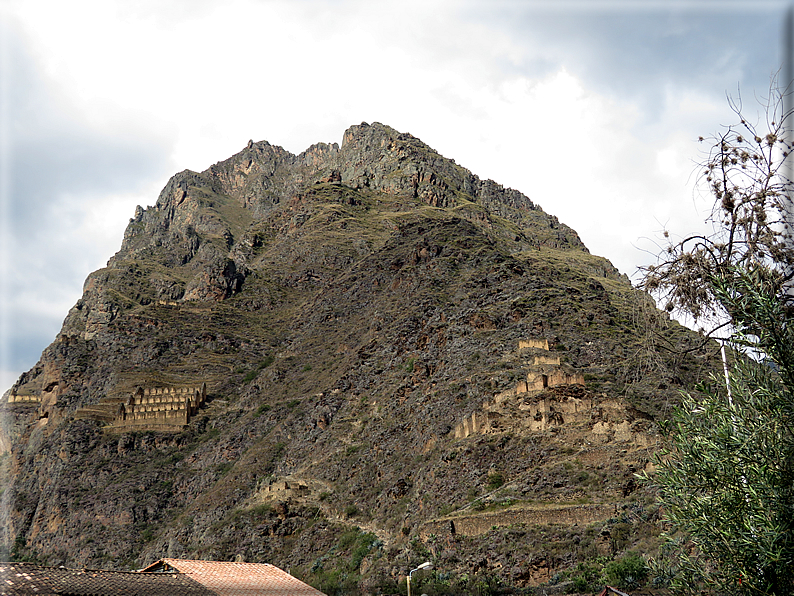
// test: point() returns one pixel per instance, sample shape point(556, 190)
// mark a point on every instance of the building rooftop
point(166, 577)
point(28, 579)
point(238, 579)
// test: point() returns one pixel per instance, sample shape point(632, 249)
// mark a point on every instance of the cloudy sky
point(591, 108)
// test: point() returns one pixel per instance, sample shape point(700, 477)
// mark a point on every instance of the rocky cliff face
point(389, 344)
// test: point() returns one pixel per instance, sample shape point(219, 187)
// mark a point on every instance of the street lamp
point(425, 565)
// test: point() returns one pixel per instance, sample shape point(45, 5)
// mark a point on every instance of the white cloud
point(586, 118)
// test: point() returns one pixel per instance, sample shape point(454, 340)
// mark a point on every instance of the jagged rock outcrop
point(347, 307)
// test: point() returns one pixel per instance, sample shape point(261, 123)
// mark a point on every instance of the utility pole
point(787, 120)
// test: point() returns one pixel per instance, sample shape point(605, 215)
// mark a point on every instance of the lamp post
point(425, 565)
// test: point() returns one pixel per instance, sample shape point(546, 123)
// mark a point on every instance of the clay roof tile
point(240, 579)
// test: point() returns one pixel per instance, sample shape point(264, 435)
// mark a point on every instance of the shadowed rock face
point(367, 319)
point(262, 178)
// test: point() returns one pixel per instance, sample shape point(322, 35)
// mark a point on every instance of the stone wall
point(546, 359)
point(557, 378)
point(542, 414)
point(476, 525)
point(545, 373)
point(170, 303)
point(476, 423)
point(24, 399)
point(533, 405)
point(540, 344)
point(148, 408)
point(160, 407)
point(285, 488)
point(46, 400)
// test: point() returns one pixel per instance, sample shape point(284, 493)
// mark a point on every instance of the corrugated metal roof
point(28, 579)
point(240, 579)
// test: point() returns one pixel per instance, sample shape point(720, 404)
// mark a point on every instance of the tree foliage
point(726, 477)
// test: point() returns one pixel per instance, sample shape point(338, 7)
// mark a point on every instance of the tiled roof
point(27, 579)
point(239, 579)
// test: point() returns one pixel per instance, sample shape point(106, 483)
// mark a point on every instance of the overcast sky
point(592, 109)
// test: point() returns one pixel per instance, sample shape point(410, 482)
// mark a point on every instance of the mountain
point(344, 362)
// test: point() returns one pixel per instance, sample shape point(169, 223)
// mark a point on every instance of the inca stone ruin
point(151, 408)
point(530, 406)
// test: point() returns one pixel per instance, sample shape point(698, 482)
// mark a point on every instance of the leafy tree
point(726, 477)
point(726, 480)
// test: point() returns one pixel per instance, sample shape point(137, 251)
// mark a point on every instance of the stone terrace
point(151, 408)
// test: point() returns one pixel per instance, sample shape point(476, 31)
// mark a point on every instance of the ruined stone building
point(148, 408)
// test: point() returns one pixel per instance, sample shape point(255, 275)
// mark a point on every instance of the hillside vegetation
point(356, 313)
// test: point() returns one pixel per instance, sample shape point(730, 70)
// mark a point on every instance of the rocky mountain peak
point(290, 348)
point(192, 223)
